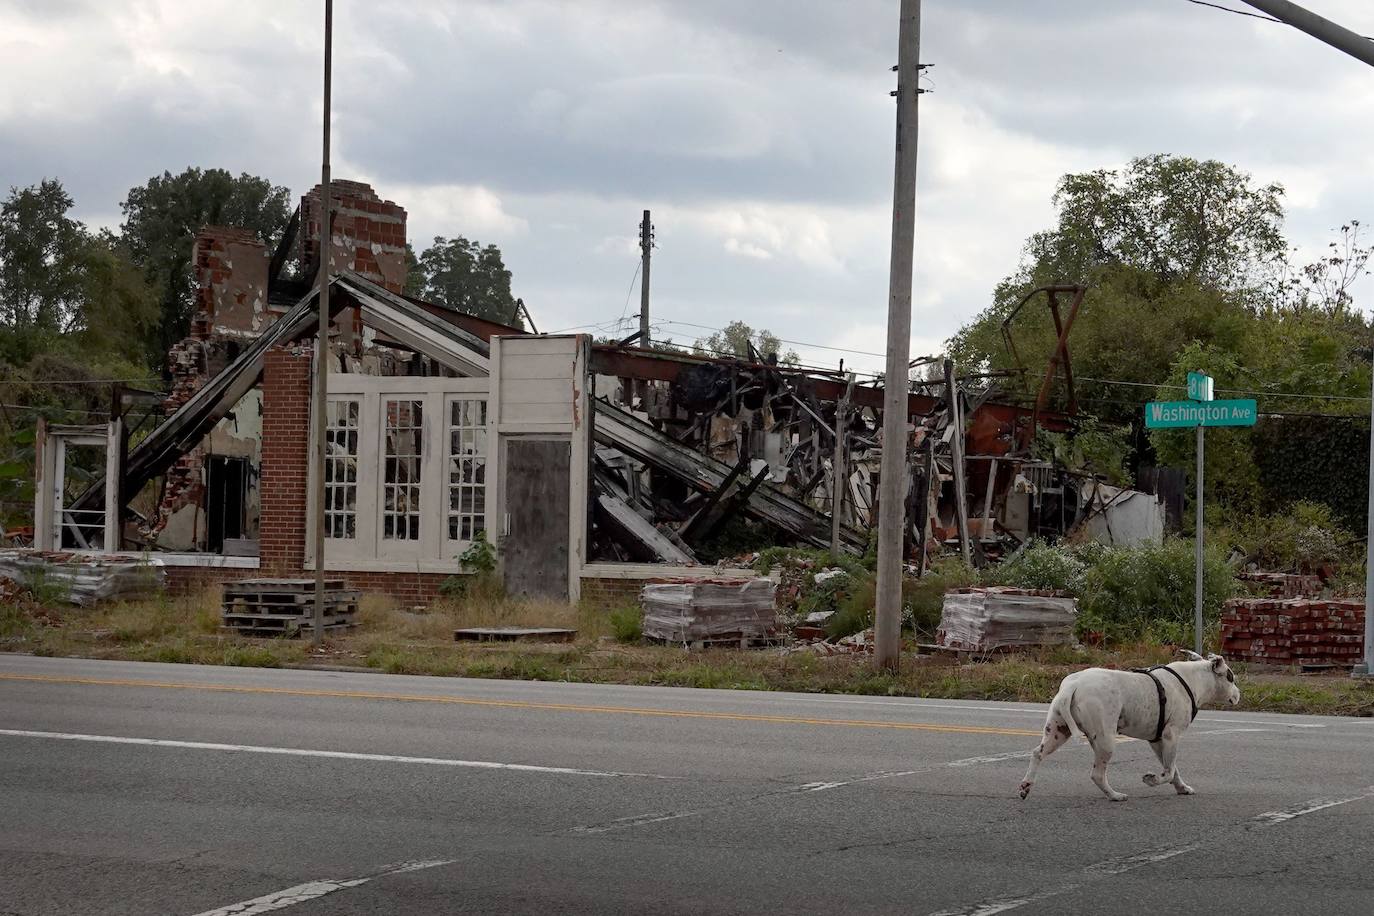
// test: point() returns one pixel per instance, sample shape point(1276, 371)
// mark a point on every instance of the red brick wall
point(285, 459)
point(611, 593)
point(369, 233)
point(408, 588)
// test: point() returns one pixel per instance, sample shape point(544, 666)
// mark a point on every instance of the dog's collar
point(1163, 701)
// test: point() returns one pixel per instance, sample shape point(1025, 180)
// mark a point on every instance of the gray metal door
point(534, 554)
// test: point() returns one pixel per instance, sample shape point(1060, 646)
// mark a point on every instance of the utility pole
point(646, 245)
point(1360, 48)
point(322, 336)
point(892, 504)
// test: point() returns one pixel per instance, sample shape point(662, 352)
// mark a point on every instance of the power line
point(629, 292)
point(1227, 9)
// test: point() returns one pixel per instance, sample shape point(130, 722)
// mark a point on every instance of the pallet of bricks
point(1309, 632)
point(706, 612)
point(999, 619)
point(285, 607)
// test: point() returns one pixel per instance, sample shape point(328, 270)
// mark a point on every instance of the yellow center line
point(521, 704)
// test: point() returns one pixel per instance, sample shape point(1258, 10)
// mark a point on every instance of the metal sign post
point(1199, 411)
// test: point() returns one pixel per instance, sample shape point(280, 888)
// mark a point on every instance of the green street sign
point(1180, 414)
point(1199, 386)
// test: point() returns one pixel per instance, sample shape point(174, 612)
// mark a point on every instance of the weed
point(251, 657)
point(627, 624)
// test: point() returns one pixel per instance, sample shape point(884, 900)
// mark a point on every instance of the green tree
point(1173, 250)
point(736, 339)
point(415, 277)
point(466, 276)
point(161, 219)
point(73, 313)
point(1175, 217)
point(42, 252)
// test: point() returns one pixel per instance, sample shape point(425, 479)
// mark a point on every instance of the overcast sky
point(759, 132)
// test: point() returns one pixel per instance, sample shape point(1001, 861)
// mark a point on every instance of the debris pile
point(710, 610)
point(989, 619)
point(82, 579)
point(1294, 631)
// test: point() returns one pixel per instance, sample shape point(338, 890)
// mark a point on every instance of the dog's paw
point(1184, 790)
point(1150, 779)
point(1118, 796)
point(1024, 790)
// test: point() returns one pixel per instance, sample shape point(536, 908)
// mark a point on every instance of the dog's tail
point(1062, 707)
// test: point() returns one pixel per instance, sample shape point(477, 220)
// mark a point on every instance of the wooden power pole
point(646, 245)
point(892, 502)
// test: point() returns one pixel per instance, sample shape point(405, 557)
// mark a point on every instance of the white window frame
point(368, 550)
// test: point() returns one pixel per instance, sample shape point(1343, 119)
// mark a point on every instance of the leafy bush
point(854, 606)
point(1129, 590)
point(1303, 538)
point(924, 598)
point(1042, 566)
point(479, 580)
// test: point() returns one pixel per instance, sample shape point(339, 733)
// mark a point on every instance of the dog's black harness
point(1159, 689)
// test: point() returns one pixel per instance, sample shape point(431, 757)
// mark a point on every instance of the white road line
point(291, 896)
point(1308, 807)
point(637, 820)
point(337, 755)
point(1122, 864)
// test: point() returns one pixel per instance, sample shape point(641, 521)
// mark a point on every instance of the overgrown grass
point(396, 640)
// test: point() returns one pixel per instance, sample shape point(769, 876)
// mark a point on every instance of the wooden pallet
point(282, 592)
point(281, 624)
point(515, 634)
point(285, 607)
point(720, 640)
point(347, 601)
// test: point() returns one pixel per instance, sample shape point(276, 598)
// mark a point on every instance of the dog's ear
point(1190, 655)
point(1218, 663)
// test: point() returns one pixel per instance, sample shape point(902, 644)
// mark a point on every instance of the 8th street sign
point(1181, 414)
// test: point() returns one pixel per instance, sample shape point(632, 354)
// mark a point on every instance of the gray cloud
point(760, 133)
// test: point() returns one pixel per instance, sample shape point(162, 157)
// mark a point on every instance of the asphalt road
point(168, 789)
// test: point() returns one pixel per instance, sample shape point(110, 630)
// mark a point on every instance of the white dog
point(1155, 705)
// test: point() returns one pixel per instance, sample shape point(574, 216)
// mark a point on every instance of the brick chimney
point(369, 233)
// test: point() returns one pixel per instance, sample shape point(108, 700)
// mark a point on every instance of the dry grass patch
point(393, 638)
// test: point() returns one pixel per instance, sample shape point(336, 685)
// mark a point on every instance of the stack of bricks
point(1285, 585)
point(1294, 631)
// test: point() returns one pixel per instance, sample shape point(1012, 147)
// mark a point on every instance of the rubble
point(989, 619)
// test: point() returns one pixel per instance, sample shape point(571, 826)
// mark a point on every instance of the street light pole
point(322, 339)
point(892, 499)
point(1360, 48)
